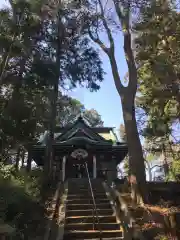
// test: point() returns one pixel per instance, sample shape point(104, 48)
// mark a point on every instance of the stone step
point(80, 180)
point(78, 188)
point(86, 200)
point(86, 191)
point(80, 215)
point(89, 226)
point(87, 212)
point(85, 186)
point(93, 184)
point(90, 219)
point(73, 234)
point(85, 196)
point(114, 238)
point(87, 206)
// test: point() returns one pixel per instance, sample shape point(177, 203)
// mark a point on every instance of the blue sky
point(106, 101)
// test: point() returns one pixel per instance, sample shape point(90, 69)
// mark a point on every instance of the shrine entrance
point(77, 165)
point(77, 169)
point(79, 143)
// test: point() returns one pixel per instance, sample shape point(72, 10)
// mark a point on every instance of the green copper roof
point(81, 140)
point(81, 131)
point(80, 134)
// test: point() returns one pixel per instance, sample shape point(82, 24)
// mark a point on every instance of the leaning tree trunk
point(127, 94)
point(136, 160)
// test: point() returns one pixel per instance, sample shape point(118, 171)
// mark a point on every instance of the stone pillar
point(63, 168)
point(94, 167)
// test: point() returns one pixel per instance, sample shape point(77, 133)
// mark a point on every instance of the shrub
point(20, 200)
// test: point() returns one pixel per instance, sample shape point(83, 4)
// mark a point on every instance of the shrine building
point(77, 146)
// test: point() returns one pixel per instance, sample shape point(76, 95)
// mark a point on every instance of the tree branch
point(99, 42)
point(108, 31)
point(124, 19)
point(155, 167)
point(109, 51)
point(117, 80)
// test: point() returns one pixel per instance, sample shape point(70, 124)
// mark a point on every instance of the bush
point(20, 200)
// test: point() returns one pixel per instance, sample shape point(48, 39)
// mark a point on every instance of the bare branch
point(108, 31)
point(99, 42)
point(108, 50)
point(124, 19)
point(105, 5)
point(155, 166)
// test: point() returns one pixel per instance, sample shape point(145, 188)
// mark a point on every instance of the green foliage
point(37, 59)
point(20, 196)
point(69, 108)
point(150, 157)
point(157, 55)
point(28, 69)
point(158, 60)
point(93, 118)
point(29, 182)
point(6, 171)
point(161, 237)
point(174, 173)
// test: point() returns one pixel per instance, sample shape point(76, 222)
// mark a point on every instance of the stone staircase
point(79, 217)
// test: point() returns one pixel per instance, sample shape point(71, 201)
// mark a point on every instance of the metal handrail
point(94, 203)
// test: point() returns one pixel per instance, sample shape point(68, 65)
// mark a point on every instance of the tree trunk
point(136, 160)
point(48, 167)
point(29, 160)
point(165, 163)
point(127, 94)
point(17, 158)
point(149, 171)
point(22, 158)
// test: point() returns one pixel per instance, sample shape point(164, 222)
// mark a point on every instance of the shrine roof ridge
point(97, 129)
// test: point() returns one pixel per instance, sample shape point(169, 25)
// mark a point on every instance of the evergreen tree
point(157, 54)
point(32, 69)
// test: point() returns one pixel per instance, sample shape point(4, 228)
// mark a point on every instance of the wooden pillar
point(94, 167)
point(63, 168)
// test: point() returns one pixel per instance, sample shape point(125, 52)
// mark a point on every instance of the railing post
point(94, 166)
point(63, 168)
point(94, 203)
